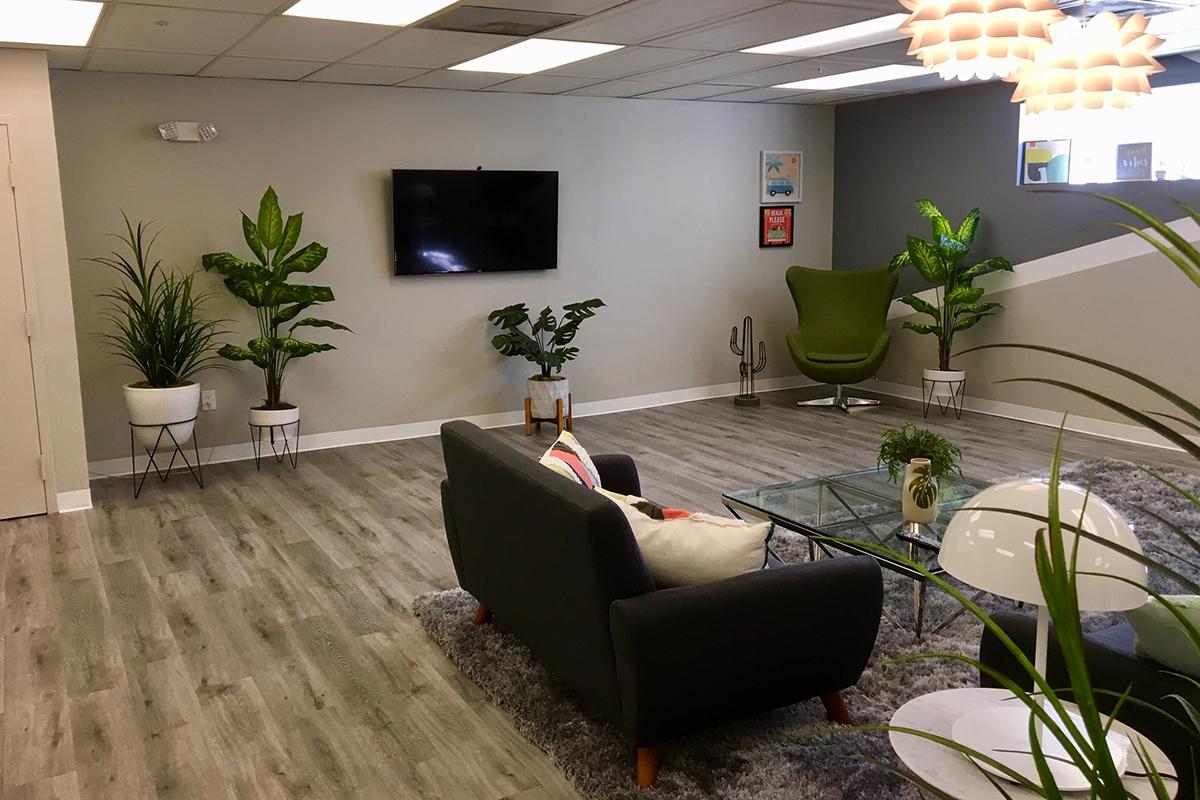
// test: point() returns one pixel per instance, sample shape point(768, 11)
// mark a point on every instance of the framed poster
point(1133, 161)
point(781, 176)
point(776, 226)
point(1046, 161)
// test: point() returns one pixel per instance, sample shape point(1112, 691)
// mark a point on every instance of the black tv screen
point(474, 221)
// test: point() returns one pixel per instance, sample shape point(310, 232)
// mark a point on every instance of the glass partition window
point(1154, 140)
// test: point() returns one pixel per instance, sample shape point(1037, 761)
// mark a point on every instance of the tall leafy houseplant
point(264, 284)
point(545, 341)
point(159, 329)
point(940, 261)
point(1058, 573)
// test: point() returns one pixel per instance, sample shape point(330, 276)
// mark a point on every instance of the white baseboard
point(114, 467)
point(1120, 431)
point(78, 500)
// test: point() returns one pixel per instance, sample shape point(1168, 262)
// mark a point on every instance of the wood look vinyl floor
point(253, 640)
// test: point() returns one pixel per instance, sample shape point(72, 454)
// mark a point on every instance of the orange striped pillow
point(568, 458)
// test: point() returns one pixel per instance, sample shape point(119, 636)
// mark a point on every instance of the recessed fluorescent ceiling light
point(836, 40)
point(373, 12)
point(65, 22)
point(1180, 29)
point(535, 55)
point(892, 72)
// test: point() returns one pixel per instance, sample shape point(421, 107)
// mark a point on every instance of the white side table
point(954, 774)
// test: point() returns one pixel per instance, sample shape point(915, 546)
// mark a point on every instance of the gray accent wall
point(959, 148)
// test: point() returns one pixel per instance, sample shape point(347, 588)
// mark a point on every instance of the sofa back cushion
point(546, 555)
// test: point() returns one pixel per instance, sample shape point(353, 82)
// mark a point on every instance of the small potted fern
point(922, 457)
point(160, 331)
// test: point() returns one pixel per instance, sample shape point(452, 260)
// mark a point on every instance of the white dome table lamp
point(995, 551)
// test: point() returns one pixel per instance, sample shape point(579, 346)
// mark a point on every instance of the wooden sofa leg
point(648, 761)
point(483, 615)
point(835, 708)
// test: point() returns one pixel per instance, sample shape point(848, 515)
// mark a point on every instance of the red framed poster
point(776, 226)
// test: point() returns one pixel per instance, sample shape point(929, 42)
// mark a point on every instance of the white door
point(22, 488)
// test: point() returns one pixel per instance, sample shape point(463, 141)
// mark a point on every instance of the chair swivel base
point(840, 401)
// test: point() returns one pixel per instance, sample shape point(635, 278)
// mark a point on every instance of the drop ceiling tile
point(144, 61)
point(820, 98)
point(642, 20)
point(759, 95)
point(621, 88)
point(420, 47)
point(890, 53)
point(66, 57)
point(361, 73)
point(302, 39)
point(248, 6)
point(541, 84)
point(452, 79)
point(768, 25)
point(716, 66)
point(626, 61)
point(274, 69)
point(583, 7)
point(796, 71)
point(696, 91)
point(172, 30)
point(503, 21)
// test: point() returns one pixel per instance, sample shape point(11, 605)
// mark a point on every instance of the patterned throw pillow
point(568, 458)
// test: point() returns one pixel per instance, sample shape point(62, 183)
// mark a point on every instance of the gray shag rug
point(790, 752)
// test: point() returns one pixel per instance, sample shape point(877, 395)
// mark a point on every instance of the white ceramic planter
point(945, 380)
point(155, 407)
point(543, 395)
point(912, 511)
point(287, 418)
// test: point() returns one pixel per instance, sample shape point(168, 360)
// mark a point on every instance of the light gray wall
point(658, 207)
point(958, 147)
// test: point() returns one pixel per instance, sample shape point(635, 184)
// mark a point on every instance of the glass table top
point(859, 506)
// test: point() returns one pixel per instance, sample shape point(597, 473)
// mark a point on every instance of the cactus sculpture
point(748, 368)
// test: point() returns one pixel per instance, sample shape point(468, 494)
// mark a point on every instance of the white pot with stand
point(280, 427)
point(946, 387)
point(162, 417)
point(548, 399)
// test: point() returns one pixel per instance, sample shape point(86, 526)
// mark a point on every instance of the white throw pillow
point(699, 548)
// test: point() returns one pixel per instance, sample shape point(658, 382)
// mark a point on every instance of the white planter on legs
point(544, 394)
point(286, 418)
point(149, 409)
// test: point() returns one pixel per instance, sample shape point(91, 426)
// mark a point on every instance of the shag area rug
point(791, 752)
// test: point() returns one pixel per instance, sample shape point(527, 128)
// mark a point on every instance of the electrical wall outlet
point(208, 400)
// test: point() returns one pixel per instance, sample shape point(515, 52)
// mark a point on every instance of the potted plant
point(161, 333)
point(940, 262)
point(264, 285)
point(923, 457)
point(546, 344)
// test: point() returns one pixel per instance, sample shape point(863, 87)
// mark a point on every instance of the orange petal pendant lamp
point(984, 39)
point(1105, 62)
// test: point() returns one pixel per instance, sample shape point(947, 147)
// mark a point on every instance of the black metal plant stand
point(178, 452)
point(291, 446)
point(954, 400)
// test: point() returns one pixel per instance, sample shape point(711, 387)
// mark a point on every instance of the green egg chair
point(842, 335)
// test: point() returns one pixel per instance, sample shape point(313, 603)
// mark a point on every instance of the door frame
point(37, 353)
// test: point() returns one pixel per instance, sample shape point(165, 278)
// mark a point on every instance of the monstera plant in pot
point(265, 285)
point(923, 457)
point(547, 343)
point(161, 332)
point(958, 306)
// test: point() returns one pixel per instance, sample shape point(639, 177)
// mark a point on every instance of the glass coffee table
point(857, 509)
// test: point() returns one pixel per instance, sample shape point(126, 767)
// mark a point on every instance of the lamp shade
point(994, 550)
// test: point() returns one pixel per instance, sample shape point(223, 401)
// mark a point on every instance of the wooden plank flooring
point(252, 640)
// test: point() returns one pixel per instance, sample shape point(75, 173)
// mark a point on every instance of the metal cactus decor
point(748, 367)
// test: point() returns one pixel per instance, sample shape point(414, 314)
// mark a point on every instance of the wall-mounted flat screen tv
point(474, 221)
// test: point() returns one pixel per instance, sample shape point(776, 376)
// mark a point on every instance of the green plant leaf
point(231, 267)
point(235, 353)
point(304, 260)
point(250, 233)
point(922, 306)
point(963, 295)
point(966, 231)
point(899, 261)
point(270, 220)
point(921, 327)
point(288, 314)
point(291, 235)
point(313, 322)
point(928, 261)
point(298, 348)
point(277, 294)
point(967, 321)
point(1181, 252)
point(941, 225)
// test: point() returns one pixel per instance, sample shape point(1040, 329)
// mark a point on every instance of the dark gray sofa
point(1113, 666)
point(558, 567)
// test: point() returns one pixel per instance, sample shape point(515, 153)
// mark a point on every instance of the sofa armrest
point(618, 474)
point(696, 656)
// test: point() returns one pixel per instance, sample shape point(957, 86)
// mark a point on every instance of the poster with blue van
point(780, 176)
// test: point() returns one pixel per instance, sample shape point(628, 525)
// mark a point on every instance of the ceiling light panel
point(61, 22)
point(862, 77)
point(535, 55)
point(371, 12)
point(837, 40)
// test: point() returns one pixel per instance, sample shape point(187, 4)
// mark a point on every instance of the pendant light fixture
point(1102, 62)
point(983, 39)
